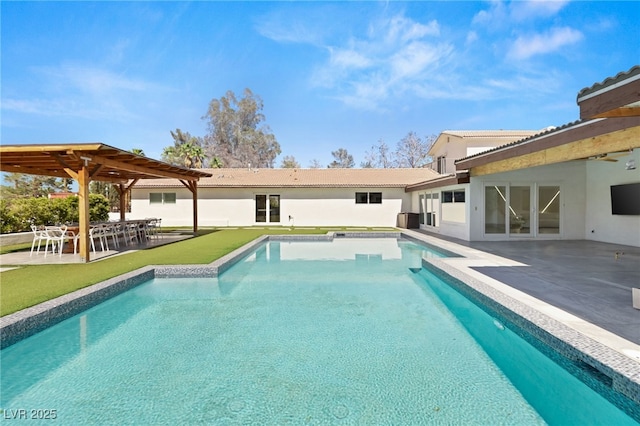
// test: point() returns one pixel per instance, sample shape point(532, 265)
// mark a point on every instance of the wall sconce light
point(630, 165)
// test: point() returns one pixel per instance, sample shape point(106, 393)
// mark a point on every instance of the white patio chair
point(131, 231)
point(70, 235)
point(143, 234)
point(56, 235)
point(96, 232)
point(39, 235)
point(152, 228)
point(109, 230)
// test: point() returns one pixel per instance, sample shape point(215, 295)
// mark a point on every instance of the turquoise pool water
point(299, 333)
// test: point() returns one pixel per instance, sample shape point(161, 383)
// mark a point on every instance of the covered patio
point(85, 162)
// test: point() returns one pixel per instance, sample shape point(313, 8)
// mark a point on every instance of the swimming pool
point(346, 332)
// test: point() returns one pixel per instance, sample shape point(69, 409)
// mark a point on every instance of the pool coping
point(622, 370)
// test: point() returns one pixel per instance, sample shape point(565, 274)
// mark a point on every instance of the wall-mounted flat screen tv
point(625, 199)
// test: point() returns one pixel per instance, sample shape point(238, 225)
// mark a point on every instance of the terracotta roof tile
point(634, 72)
point(490, 133)
point(304, 178)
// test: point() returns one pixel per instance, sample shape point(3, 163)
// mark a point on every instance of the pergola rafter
point(95, 161)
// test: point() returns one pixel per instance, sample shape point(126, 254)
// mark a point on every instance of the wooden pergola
point(85, 162)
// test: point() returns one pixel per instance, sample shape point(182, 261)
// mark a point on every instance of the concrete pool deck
point(586, 279)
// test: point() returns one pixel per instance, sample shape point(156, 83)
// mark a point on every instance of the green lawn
point(29, 285)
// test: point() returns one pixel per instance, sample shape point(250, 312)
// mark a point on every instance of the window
point(368, 197)
point(453, 196)
point(375, 198)
point(162, 198)
point(362, 198)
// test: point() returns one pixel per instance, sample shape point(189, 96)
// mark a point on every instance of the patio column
point(83, 207)
point(192, 185)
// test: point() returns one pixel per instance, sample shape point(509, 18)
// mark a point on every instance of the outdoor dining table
point(73, 230)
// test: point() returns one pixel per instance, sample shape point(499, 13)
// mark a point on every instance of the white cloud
point(523, 10)
point(400, 29)
point(415, 58)
point(349, 58)
point(501, 13)
point(396, 55)
point(537, 44)
point(82, 91)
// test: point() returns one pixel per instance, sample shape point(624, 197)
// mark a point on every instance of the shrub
point(18, 214)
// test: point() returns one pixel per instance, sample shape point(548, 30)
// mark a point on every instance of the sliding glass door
point(521, 210)
point(548, 210)
point(495, 205)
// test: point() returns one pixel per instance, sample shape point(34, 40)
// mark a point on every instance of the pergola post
point(83, 207)
point(195, 206)
point(192, 185)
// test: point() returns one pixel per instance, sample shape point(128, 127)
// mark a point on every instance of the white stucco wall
point(306, 206)
point(452, 217)
point(600, 224)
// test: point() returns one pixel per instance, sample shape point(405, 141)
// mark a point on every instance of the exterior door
point(548, 210)
point(267, 213)
point(522, 210)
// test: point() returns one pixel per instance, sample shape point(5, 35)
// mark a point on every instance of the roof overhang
point(447, 180)
point(617, 96)
point(105, 162)
point(576, 141)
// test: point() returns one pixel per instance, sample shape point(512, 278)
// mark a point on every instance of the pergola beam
point(121, 165)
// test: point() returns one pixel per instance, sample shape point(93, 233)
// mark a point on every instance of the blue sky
point(331, 74)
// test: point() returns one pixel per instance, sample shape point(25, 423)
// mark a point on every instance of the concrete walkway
point(588, 279)
point(13, 260)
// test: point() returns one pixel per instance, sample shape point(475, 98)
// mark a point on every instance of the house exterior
point(556, 184)
point(502, 185)
point(282, 197)
point(452, 145)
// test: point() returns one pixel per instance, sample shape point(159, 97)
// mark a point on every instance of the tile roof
point(528, 138)
point(490, 133)
point(632, 74)
point(302, 178)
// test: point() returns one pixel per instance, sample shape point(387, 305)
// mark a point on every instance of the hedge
point(18, 214)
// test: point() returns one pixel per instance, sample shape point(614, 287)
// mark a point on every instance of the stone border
point(605, 370)
point(600, 367)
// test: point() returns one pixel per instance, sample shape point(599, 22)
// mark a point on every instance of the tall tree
point(289, 162)
point(237, 135)
point(186, 151)
point(23, 185)
point(315, 164)
point(412, 151)
point(342, 159)
point(378, 157)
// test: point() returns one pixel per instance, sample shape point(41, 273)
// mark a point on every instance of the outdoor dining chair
point(39, 235)
point(56, 235)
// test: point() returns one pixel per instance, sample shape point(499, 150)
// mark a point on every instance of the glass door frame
point(530, 219)
point(267, 206)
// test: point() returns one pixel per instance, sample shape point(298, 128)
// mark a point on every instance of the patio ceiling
point(105, 163)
